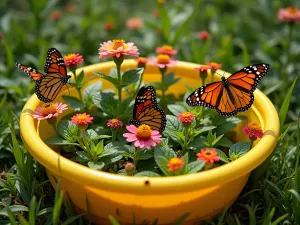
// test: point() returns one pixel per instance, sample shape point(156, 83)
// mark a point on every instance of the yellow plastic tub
point(203, 195)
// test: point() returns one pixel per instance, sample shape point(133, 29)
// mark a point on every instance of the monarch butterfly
point(146, 110)
point(48, 86)
point(232, 95)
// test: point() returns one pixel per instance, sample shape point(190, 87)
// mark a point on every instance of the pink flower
point(186, 118)
point(117, 48)
point(134, 23)
point(253, 130)
point(291, 14)
point(142, 136)
point(49, 110)
point(73, 59)
point(167, 50)
point(163, 61)
point(114, 123)
point(203, 35)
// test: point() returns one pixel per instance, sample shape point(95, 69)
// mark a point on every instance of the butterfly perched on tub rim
point(230, 95)
point(146, 110)
point(47, 86)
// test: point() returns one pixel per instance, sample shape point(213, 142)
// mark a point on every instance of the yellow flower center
point(175, 161)
point(163, 59)
point(81, 117)
point(143, 132)
point(114, 121)
point(48, 108)
point(254, 126)
point(186, 114)
point(167, 47)
point(292, 10)
point(207, 154)
point(69, 56)
point(118, 43)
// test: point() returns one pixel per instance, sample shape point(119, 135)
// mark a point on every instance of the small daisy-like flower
point(117, 48)
point(253, 130)
point(114, 123)
point(109, 25)
point(175, 164)
point(142, 136)
point(186, 118)
point(203, 35)
point(203, 68)
point(134, 23)
point(291, 14)
point(73, 59)
point(214, 65)
point(56, 15)
point(71, 7)
point(82, 120)
point(167, 50)
point(49, 110)
point(129, 168)
point(163, 61)
point(209, 155)
point(141, 61)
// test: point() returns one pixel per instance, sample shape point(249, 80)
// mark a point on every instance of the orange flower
point(160, 1)
point(73, 59)
point(203, 35)
point(291, 14)
point(71, 7)
point(114, 123)
point(186, 118)
point(135, 23)
point(203, 68)
point(175, 164)
point(209, 155)
point(108, 25)
point(56, 15)
point(141, 61)
point(82, 120)
point(253, 130)
point(167, 50)
point(214, 65)
point(163, 61)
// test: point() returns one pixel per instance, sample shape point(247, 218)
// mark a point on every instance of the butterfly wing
point(32, 73)
point(55, 62)
point(146, 110)
point(48, 86)
point(231, 95)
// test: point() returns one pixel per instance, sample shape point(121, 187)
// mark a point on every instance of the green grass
point(241, 34)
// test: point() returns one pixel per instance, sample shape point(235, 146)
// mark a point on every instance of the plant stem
point(114, 135)
point(185, 140)
point(136, 156)
point(76, 84)
point(118, 62)
point(84, 140)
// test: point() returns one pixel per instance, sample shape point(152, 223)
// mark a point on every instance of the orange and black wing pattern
point(32, 73)
point(232, 95)
point(55, 63)
point(146, 110)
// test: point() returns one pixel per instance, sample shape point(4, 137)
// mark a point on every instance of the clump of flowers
point(135, 23)
point(209, 155)
point(72, 60)
point(166, 50)
point(253, 131)
point(82, 120)
point(117, 48)
point(203, 35)
point(49, 110)
point(163, 61)
point(186, 118)
point(175, 164)
point(56, 15)
point(291, 15)
point(142, 136)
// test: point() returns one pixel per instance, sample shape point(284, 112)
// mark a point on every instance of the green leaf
point(170, 79)
point(173, 123)
point(67, 129)
point(176, 109)
point(58, 141)
point(194, 167)
point(224, 124)
point(106, 102)
point(145, 154)
point(203, 129)
point(198, 142)
point(96, 166)
point(223, 156)
point(94, 87)
point(165, 21)
point(131, 76)
point(239, 149)
point(111, 79)
point(14, 208)
point(80, 77)
point(147, 174)
point(82, 156)
point(162, 155)
point(285, 104)
point(75, 103)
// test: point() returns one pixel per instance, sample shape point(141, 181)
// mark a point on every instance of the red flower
point(214, 65)
point(56, 15)
point(175, 164)
point(108, 25)
point(203, 35)
point(114, 123)
point(253, 130)
point(73, 59)
point(203, 68)
point(82, 120)
point(291, 14)
point(209, 155)
point(142, 61)
point(167, 50)
point(186, 118)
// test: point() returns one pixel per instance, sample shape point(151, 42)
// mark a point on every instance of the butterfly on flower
point(47, 86)
point(146, 110)
point(232, 95)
